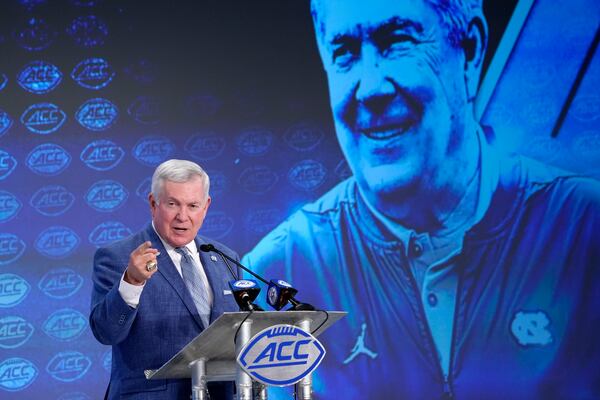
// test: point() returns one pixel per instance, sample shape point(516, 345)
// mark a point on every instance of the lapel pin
point(214, 258)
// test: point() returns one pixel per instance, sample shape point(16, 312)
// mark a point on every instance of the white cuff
point(130, 293)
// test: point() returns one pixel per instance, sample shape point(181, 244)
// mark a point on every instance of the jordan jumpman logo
point(359, 347)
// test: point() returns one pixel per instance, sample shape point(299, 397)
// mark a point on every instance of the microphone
point(280, 293)
point(296, 305)
point(245, 292)
point(210, 247)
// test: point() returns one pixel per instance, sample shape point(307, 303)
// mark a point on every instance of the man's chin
point(388, 180)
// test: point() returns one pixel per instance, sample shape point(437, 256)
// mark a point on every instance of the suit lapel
point(168, 270)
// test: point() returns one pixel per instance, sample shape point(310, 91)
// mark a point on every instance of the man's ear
point(152, 202)
point(474, 46)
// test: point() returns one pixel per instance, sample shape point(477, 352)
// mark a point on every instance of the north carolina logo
point(68, 366)
point(145, 110)
point(307, 175)
point(5, 122)
point(205, 146)
point(60, 283)
point(43, 118)
point(102, 155)
point(106, 195)
point(16, 374)
point(52, 200)
point(48, 159)
point(262, 220)
point(57, 242)
point(108, 232)
point(530, 328)
point(7, 164)
point(35, 35)
point(217, 225)
point(11, 248)
point(152, 150)
point(145, 186)
point(97, 114)
point(13, 290)
point(88, 31)
point(257, 180)
point(303, 136)
point(39, 77)
point(65, 324)
point(255, 141)
point(93, 73)
point(281, 355)
point(14, 332)
point(9, 206)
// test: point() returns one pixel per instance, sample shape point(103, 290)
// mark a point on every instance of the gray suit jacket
point(165, 320)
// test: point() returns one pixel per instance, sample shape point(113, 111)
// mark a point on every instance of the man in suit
point(154, 291)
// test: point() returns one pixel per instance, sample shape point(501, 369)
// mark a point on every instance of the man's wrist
point(127, 278)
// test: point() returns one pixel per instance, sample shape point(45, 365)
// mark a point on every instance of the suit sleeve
point(110, 318)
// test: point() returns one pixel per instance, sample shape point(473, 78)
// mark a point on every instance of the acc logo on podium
point(281, 355)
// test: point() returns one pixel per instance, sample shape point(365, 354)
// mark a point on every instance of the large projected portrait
point(429, 167)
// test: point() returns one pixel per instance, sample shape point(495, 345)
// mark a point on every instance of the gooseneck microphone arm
point(209, 247)
point(298, 306)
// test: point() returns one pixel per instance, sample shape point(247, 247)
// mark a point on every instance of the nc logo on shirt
point(52, 200)
point(48, 159)
point(152, 150)
point(93, 73)
point(108, 232)
point(205, 146)
point(11, 248)
point(43, 118)
point(281, 355)
point(39, 77)
point(106, 195)
point(7, 164)
point(13, 289)
point(60, 283)
point(102, 155)
point(68, 366)
point(66, 324)
point(9, 206)
point(530, 328)
point(255, 141)
point(5, 122)
point(97, 114)
point(57, 242)
point(16, 374)
point(307, 175)
point(14, 332)
point(88, 31)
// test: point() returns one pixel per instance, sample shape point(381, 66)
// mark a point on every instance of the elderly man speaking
point(154, 292)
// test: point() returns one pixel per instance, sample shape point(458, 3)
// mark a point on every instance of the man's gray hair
point(455, 16)
point(177, 171)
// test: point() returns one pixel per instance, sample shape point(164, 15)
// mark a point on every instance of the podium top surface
point(216, 343)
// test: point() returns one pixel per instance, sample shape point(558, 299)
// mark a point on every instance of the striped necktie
point(196, 286)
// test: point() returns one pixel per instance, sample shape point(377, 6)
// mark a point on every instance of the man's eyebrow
point(384, 27)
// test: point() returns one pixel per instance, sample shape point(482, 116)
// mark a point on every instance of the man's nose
point(181, 214)
point(375, 89)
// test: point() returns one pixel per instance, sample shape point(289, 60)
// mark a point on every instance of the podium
point(211, 356)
